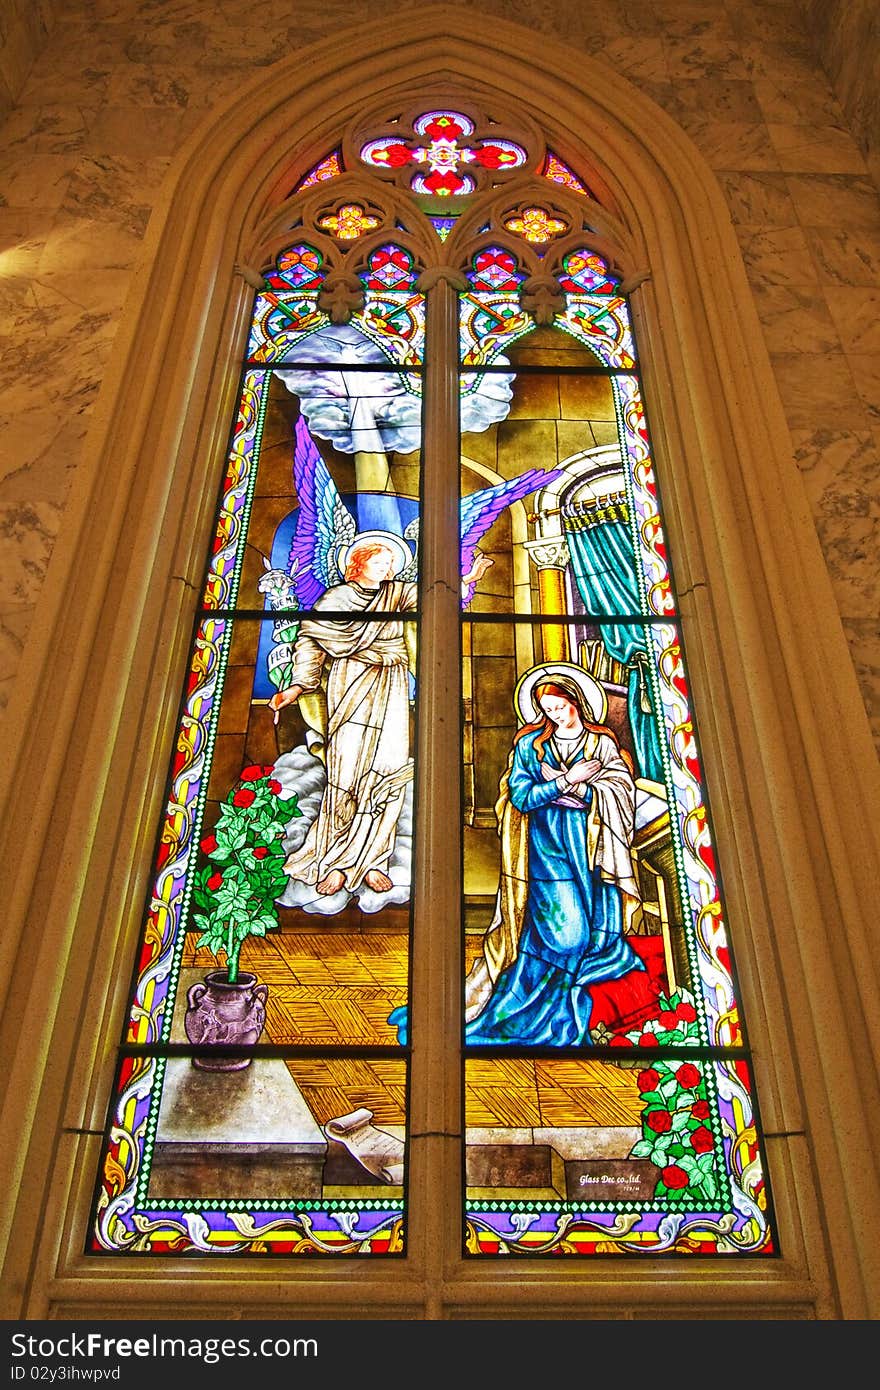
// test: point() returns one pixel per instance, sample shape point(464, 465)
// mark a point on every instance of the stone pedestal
point(498, 1171)
point(579, 1165)
point(235, 1134)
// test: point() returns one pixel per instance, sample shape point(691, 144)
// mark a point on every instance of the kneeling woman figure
point(567, 890)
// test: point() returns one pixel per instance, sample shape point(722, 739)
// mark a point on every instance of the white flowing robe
point(367, 749)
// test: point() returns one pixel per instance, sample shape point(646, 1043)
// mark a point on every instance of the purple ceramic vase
point(220, 1012)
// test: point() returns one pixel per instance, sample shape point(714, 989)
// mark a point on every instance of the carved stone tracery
point(488, 184)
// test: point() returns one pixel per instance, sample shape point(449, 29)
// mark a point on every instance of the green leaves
point(242, 873)
point(675, 1022)
point(676, 1133)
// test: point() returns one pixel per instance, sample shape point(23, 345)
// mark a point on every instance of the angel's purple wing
point(323, 524)
point(478, 511)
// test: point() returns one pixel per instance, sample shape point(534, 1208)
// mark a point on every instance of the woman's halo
point(400, 551)
point(562, 673)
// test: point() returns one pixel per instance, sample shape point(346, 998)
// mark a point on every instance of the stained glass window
point(609, 1100)
point(262, 1099)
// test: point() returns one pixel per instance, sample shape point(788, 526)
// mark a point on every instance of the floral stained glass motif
point(493, 316)
point(327, 168)
point(495, 269)
point(557, 172)
point(443, 226)
point(536, 225)
point(444, 154)
point(290, 311)
point(287, 308)
point(584, 272)
point(349, 222)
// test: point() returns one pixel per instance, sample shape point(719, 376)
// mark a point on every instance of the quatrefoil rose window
point(348, 222)
point(536, 225)
point(443, 146)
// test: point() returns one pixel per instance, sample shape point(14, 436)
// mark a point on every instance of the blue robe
point(572, 932)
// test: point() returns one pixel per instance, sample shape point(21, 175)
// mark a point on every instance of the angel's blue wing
point(478, 511)
point(323, 526)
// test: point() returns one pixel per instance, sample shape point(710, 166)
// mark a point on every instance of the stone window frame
point(95, 707)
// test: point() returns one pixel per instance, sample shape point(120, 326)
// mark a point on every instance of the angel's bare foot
point(331, 883)
point(379, 882)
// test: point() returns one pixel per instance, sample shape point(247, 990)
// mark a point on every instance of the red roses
point(255, 773)
point(701, 1140)
point(684, 1013)
point(687, 1076)
point(659, 1120)
point(236, 893)
point(677, 1136)
point(674, 1177)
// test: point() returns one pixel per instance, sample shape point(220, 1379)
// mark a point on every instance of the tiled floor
point(332, 989)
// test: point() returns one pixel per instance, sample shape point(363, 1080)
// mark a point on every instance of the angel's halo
point(400, 551)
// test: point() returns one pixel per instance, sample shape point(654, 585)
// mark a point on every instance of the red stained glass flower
point(660, 1121)
point(701, 1140)
point(674, 1177)
point(687, 1076)
point(443, 184)
point(444, 127)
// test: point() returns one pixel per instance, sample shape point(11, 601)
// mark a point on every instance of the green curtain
point(604, 569)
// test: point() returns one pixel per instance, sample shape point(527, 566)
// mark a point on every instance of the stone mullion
point(435, 1197)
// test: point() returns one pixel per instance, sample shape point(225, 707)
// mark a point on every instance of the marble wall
point(25, 26)
point(120, 83)
point(847, 35)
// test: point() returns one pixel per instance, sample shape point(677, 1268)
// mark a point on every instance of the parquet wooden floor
point(326, 989)
point(332, 989)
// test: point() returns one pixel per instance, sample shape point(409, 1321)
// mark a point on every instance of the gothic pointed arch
point(77, 882)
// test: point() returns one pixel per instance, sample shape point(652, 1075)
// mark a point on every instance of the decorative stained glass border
point(734, 1221)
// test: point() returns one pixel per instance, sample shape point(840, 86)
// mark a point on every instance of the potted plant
point(235, 891)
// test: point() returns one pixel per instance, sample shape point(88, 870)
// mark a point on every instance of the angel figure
point(350, 672)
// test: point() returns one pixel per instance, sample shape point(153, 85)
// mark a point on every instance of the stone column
point(550, 557)
point(435, 1107)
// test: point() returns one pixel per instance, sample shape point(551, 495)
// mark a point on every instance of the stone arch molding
point(95, 701)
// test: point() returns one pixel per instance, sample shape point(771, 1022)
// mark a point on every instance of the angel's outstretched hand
point(478, 568)
point(283, 698)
